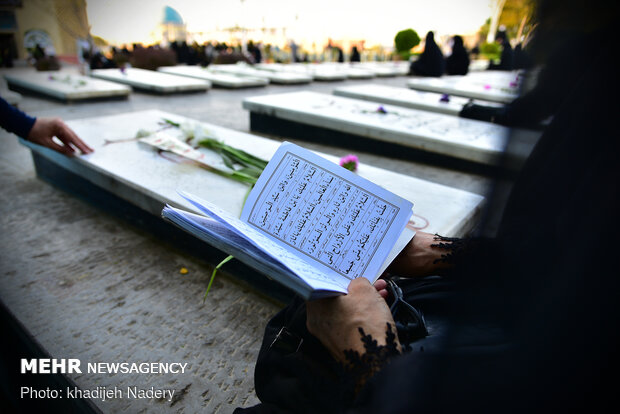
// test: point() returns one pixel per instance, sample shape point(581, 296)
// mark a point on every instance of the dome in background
point(171, 16)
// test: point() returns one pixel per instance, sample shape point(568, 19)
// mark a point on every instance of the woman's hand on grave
point(45, 129)
point(336, 321)
point(421, 257)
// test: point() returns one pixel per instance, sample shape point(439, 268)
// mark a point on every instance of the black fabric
point(547, 309)
point(431, 62)
point(521, 58)
point(14, 120)
point(458, 62)
point(481, 112)
point(506, 58)
point(533, 323)
point(288, 379)
point(295, 374)
point(563, 69)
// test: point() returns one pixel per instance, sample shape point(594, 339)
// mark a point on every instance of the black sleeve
point(14, 120)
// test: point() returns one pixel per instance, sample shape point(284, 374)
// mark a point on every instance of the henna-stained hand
point(336, 321)
point(421, 257)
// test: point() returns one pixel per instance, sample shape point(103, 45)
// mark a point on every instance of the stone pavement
point(88, 285)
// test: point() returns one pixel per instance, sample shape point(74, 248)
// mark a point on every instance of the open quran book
point(307, 223)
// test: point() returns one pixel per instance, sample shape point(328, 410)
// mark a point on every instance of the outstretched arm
point(42, 130)
point(45, 129)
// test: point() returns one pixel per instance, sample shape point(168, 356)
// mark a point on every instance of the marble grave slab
point(152, 81)
point(408, 98)
point(385, 69)
point(66, 86)
point(315, 71)
point(461, 86)
point(509, 81)
point(351, 70)
point(285, 78)
point(478, 65)
point(497, 78)
point(320, 71)
point(326, 73)
point(146, 178)
point(459, 138)
point(223, 80)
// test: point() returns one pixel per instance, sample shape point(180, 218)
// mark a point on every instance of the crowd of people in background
point(208, 53)
point(432, 61)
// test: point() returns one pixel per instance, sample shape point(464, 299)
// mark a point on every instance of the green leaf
point(228, 161)
point(250, 171)
point(234, 154)
point(174, 124)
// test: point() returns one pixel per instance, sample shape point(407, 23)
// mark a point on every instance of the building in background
point(172, 27)
point(55, 25)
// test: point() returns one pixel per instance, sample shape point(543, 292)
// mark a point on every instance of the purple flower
point(123, 70)
point(487, 87)
point(444, 98)
point(381, 110)
point(350, 162)
point(513, 84)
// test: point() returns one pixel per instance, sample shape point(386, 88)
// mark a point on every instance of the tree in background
point(515, 16)
point(404, 41)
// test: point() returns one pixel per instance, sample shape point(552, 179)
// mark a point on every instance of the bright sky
point(376, 21)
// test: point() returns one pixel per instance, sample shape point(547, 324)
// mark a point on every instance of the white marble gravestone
point(355, 72)
point(223, 80)
point(152, 81)
point(318, 72)
point(351, 70)
point(276, 67)
point(286, 78)
point(380, 70)
point(477, 65)
point(462, 86)
point(327, 71)
point(408, 98)
point(139, 174)
point(496, 78)
point(471, 140)
point(66, 86)
point(385, 69)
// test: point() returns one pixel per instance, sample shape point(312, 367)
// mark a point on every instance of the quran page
point(338, 222)
point(324, 224)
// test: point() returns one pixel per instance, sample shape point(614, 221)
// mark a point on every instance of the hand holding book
point(308, 223)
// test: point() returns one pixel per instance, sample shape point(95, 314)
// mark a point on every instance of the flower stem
point(222, 263)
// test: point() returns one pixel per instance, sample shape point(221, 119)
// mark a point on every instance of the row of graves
point(414, 122)
point(147, 160)
point(119, 83)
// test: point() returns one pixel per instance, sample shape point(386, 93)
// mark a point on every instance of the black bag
point(481, 112)
point(296, 374)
